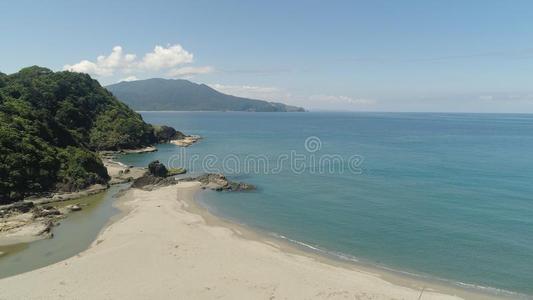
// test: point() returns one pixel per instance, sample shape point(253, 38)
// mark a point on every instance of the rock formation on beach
point(158, 176)
point(219, 182)
point(24, 221)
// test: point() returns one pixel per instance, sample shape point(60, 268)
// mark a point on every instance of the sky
point(438, 56)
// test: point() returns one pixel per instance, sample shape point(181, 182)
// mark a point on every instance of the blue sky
point(472, 56)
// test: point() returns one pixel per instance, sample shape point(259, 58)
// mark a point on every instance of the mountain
point(52, 124)
point(183, 95)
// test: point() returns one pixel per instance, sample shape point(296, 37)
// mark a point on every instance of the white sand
point(162, 249)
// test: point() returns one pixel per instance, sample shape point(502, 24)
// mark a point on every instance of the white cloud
point(169, 57)
point(269, 93)
point(330, 99)
point(486, 97)
point(276, 94)
point(104, 65)
point(86, 66)
point(162, 60)
point(189, 71)
point(129, 78)
point(249, 91)
point(506, 97)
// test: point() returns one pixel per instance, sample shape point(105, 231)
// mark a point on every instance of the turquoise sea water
point(442, 195)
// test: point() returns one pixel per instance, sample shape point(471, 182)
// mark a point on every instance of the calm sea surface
point(442, 195)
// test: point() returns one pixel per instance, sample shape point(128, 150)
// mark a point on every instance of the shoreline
point(411, 280)
point(164, 241)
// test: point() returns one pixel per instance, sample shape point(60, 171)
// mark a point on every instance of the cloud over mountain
point(169, 60)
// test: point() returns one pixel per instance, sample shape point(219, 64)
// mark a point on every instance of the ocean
point(445, 196)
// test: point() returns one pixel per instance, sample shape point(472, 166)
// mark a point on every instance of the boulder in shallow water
point(241, 186)
point(217, 179)
point(74, 207)
point(219, 182)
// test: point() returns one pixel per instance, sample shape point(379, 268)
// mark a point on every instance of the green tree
point(50, 125)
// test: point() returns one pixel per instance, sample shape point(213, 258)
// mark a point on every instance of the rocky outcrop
point(147, 149)
point(112, 153)
point(186, 140)
point(24, 228)
point(157, 169)
point(58, 197)
point(165, 134)
point(150, 182)
point(219, 182)
point(45, 212)
point(20, 225)
point(213, 181)
point(25, 222)
point(17, 207)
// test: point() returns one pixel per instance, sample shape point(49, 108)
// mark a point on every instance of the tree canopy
point(51, 124)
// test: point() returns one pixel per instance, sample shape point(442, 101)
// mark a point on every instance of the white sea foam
point(350, 258)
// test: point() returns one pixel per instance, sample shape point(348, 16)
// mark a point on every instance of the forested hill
point(183, 95)
point(51, 124)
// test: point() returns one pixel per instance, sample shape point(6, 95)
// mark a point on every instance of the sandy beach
point(164, 246)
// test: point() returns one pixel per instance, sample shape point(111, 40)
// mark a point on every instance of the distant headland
point(159, 94)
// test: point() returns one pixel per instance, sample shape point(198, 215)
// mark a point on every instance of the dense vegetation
point(183, 95)
point(51, 124)
point(166, 133)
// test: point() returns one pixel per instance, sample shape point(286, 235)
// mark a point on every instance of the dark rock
point(165, 133)
point(148, 182)
point(45, 211)
point(141, 182)
point(157, 169)
point(179, 135)
point(47, 230)
point(213, 178)
point(21, 206)
point(219, 183)
point(241, 186)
